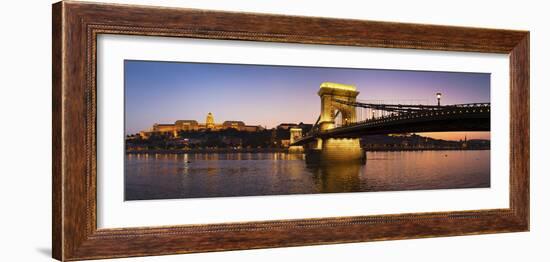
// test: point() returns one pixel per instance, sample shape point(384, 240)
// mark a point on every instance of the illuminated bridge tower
point(295, 134)
point(335, 150)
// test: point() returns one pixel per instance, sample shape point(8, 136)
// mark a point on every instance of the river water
point(170, 176)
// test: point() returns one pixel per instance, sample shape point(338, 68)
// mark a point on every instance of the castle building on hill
point(193, 125)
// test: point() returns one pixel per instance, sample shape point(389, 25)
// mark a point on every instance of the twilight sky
point(163, 92)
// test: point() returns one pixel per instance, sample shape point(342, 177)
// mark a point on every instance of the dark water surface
point(169, 176)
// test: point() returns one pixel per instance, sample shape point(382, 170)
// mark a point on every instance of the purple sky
point(163, 92)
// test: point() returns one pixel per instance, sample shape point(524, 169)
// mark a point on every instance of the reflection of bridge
point(335, 135)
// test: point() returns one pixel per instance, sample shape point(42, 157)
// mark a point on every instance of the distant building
point(163, 128)
point(210, 121)
point(193, 125)
point(186, 125)
point(239, 125)
point(252, 128)
point(233, 124)
point(286, 126)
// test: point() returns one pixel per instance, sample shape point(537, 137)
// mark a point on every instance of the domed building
point(210, 121)
point(193, 125)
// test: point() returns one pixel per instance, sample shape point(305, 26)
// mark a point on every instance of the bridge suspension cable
point(400, 108)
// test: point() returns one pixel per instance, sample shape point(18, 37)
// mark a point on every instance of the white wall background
point(25, 129)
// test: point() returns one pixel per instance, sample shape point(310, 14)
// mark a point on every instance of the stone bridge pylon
point(335, 150)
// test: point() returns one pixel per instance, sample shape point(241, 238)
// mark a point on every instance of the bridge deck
point(450, 118)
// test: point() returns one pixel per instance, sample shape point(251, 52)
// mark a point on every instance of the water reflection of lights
point(191, 175)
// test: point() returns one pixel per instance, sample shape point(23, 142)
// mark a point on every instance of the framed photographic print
point(182, 130)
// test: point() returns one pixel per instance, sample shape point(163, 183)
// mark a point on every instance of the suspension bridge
point(344, 119)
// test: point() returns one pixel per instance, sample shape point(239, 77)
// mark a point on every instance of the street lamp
point(438, 95)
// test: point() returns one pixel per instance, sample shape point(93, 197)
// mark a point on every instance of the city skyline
point(163, 92)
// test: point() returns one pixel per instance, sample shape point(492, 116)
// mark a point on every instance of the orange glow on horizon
point(455, 136)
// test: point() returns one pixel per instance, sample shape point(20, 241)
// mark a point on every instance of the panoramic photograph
point(202, 130)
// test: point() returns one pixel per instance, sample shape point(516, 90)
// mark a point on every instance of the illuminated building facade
point(193, 125)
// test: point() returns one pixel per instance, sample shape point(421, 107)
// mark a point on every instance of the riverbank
point(208, 150)
point(277, 150)
point(423, 149)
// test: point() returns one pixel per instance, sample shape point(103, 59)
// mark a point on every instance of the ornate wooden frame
point(76, 26)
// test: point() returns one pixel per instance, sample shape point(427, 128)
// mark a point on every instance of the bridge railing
point(375, 108)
